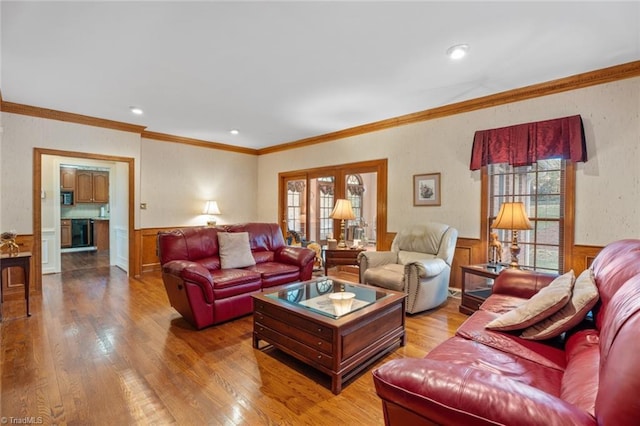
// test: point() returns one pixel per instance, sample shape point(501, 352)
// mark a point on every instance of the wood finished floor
point(103, 349)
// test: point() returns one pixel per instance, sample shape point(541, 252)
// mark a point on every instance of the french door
point(307, 198)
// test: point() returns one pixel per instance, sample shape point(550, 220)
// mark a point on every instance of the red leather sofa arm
point(424, 391)
point(192, 272)
point(299, 256)
point(524, 284)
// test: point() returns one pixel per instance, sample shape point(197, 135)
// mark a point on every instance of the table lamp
point(514, 217)
point(343, 211)
point(211, 208)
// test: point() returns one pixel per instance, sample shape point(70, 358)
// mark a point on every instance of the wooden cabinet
point(65, 233)
point(101, 234)
point(92, 187)
point(67, 179)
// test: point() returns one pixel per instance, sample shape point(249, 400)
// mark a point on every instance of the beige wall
point(174, 179)
point(24, 133)
point(177, 179)
point(607, 188)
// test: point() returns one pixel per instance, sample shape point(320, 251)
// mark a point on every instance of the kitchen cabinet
point(67, 179)
point(101, 234)
point(92, 187)
point(65, 233)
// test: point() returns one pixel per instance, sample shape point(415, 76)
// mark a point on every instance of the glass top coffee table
point(337, 327)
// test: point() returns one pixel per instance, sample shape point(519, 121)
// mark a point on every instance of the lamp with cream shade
point(342, 211)
point(514, 217)
point(211, 208)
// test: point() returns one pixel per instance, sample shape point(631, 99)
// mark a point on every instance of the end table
point(477, 283)
point(336, 257)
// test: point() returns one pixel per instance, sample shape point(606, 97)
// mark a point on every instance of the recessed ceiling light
point(458, 51)
point(234, 131)
point(136, 110)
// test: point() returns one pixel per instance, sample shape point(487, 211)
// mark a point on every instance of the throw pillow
point(584, 297)
point(235, 251)
point(543, 304)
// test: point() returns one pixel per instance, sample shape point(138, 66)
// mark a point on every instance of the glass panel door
point(295, 210)
point(322, 196)
point(361, 190)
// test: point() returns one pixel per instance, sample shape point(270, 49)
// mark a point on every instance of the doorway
point(307, 198)
point(124, 239)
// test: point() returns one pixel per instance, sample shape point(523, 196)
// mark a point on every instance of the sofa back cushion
point(612, 267)
point(188, 244)
point(617, 401)
point(435, 239)
point(262, 236)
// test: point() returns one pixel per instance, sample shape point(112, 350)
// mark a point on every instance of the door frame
point(377, 166)
point(37, 207)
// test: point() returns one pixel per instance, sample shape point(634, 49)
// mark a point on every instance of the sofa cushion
point(581, 377)
point(235, 251)
point(543, 304)
point(583, 299)
point(477, 356)
point(389, 276)
point(543, 353)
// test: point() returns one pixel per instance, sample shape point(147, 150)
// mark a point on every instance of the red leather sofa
point(203, 292)
point(481, 377)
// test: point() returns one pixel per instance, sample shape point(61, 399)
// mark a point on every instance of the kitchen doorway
point(121, 239)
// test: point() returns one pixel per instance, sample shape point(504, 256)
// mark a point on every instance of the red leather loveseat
point(589, 376)
point(204, 291)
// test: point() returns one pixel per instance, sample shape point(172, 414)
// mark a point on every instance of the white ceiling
point(284, 71)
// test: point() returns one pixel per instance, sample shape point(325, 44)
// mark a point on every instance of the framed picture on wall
point(426, 189)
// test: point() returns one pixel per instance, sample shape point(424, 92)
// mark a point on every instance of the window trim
point(567, 224)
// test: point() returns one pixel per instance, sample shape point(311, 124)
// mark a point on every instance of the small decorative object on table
point(495, 249)
point(8, 239)
point(342, 301)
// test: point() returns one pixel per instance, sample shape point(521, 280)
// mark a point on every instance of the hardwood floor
point(73, 261)
point(103, 349)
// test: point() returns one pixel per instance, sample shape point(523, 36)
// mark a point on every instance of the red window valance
point(524, 144)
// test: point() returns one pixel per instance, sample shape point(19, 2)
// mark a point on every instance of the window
point(546, 189)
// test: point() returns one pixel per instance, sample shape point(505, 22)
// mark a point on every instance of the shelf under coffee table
point(300, 319)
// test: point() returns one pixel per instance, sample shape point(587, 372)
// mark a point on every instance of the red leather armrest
point(192, 272)
point(453, 394)
point(299, 256)
point(519, 283)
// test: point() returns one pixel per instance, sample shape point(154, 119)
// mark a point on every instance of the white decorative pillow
point(235, 251)
point(543, 304)
point(585, 296)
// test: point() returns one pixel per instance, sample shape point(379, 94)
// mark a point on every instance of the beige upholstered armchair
point(419, 264)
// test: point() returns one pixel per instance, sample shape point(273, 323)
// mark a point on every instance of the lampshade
point(512, 216)
point(211, 207)
point(343, 210)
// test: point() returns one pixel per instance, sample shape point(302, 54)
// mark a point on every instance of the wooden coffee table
point(300, 319)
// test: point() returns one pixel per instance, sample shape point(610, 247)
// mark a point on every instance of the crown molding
point(578, 81)
point(68, 117)
point(196, 142)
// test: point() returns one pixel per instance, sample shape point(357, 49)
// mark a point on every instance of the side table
point(477, 283)
point(21, 260)
point(337, 257)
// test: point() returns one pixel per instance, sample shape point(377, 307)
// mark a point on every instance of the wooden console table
point(21, 260)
